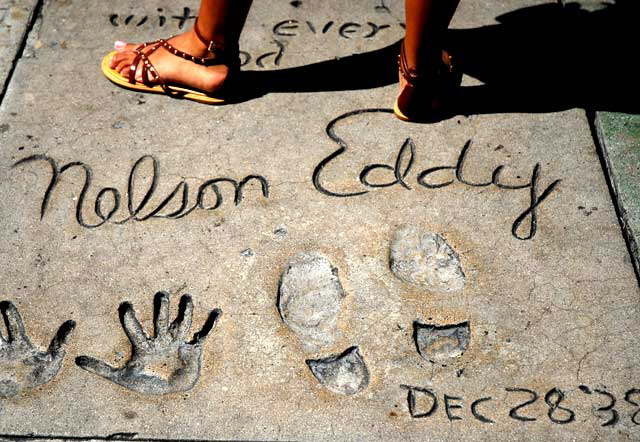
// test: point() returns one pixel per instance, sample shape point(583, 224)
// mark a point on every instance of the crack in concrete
point(33, 18)
point(629, 238)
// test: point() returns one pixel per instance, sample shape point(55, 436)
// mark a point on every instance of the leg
point(426, 24)
point(426, 75)
point(220, 21)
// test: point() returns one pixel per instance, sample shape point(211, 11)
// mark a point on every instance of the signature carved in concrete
point(107, 205)
point(23, 366)
point(164, 363)
point(524, 227)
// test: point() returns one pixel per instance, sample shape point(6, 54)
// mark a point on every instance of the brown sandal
point(426, 94)
point(152, 82)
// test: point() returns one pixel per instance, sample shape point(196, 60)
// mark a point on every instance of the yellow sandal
point(153, 83)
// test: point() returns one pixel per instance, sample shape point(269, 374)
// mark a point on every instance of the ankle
point(194, 44)
point(219, 46)
point(211, 40)
point(430, 61)
point(419, 61)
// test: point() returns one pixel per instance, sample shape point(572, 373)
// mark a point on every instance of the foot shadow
point(542, 58)
point(359, 71)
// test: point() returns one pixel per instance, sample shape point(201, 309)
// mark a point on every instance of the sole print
point(310, 297)
point(425, 260)
point(309, 301)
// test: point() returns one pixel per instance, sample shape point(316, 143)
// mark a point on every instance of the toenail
point(119, 45)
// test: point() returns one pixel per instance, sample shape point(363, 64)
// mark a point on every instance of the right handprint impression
point(166, 352)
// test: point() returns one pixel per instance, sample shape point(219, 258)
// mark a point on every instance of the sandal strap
point(141, 55)
point(218, 52)
point(413, 75)
point(150, 75)
point(223, 53)
point(147, 70)
point(211, 45)
point(218, 55)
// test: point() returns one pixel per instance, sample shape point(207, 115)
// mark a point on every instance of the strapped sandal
point(153, 82)
point(427, 93)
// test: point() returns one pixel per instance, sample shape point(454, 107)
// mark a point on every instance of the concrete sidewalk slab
point(536, 342)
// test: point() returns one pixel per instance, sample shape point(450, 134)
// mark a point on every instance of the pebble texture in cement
point(109, 196)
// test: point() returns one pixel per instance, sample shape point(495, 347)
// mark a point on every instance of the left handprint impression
point(161, 364)
point(22, 366)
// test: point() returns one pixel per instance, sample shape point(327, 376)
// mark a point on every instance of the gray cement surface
point(317, 165)
point(14, 20)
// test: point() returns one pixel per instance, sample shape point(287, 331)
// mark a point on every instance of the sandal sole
point(122, 81)
point(398, 113)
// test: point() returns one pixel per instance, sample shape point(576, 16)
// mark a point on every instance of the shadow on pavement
point(542, 58)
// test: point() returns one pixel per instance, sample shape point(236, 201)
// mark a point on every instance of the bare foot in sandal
point(173, 69)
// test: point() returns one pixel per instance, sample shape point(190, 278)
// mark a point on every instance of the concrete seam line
point(35, 13)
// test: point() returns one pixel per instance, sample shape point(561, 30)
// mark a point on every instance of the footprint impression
point(425, 260)
point(439, 344)
point(345, 373)
point(309, 300)
point(310, 297)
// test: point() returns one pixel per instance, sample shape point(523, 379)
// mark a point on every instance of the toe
point(115, 60)
point(124, 62)
point(125, 69)
point(122, 46)
point(118, 64)
point(121, 57)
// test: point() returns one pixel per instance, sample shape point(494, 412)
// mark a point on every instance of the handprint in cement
point(164, 363)
point(23, 366)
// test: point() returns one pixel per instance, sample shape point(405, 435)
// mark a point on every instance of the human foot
point(425, 93)
point(173, 69)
